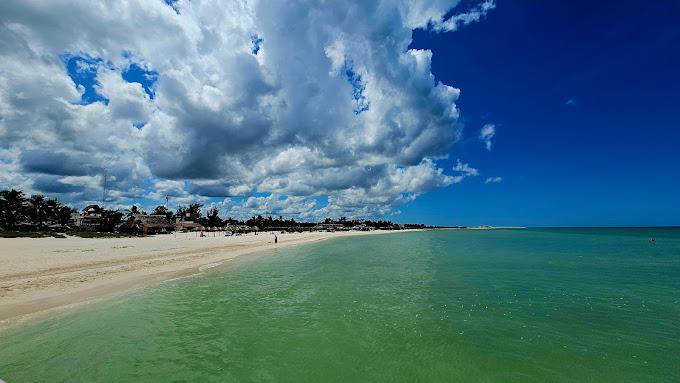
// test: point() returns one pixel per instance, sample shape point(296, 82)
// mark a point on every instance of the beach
point(41, 274)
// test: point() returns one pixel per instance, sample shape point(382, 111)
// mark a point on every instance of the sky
point(488, 112)
point(584, 97)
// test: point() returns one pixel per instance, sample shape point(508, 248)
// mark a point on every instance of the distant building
point(241, 228)
point(330, 227)
point(187, 223)
point(89, 220)
point(362, 227)
point(147, 224)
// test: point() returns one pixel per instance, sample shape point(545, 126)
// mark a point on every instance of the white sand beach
point(40, 274)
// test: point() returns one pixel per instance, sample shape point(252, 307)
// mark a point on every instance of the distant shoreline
point(553, 227)
point(478, 227)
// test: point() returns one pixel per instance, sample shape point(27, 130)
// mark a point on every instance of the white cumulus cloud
point(332, 102)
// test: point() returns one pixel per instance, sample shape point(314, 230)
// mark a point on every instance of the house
point(89, 220)
point(147, 224)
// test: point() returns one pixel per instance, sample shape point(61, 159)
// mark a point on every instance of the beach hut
point(187, 224)
point(147, 224)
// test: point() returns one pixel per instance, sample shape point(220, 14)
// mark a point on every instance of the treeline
point(18, 211)
point(37, 213)
point(191, 212)
point(379, 224)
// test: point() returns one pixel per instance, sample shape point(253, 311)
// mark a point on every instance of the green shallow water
point(561, 305)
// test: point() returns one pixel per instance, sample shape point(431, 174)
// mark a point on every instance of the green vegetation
point(34, 213)
point(30, 234)
point(39, 217)
point(36, 216)
point(98, 234)
point(48, 234)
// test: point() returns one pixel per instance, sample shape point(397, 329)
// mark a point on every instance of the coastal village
point(21, 215)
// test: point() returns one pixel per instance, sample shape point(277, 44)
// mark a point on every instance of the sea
point(504, 305)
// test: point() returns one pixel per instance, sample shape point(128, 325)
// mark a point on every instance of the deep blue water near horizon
point(524, 305)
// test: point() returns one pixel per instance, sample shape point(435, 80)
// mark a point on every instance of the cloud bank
point(319, 107)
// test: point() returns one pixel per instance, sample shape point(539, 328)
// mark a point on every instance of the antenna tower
point(104, 191)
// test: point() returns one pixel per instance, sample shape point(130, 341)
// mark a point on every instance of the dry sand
point(40, 274)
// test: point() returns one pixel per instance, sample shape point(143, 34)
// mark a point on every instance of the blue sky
point(584, 96)
point(360, 109)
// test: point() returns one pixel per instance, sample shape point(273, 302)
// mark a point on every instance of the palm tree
point(38, 210)
point(194, 210)
point(53, 207)
point(162, 210)
point(134, 210)
point(12, 208)
point(110, 220)
point(181, 212)
point(63, 215)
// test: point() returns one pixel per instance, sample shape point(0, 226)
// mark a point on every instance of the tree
point(53, 207)
point(12, 208)
point(194, 210)
point(63, 215)
point(134, 210)
point(257, 221)
point(38, 210)
point(213, 217)
point(162, 210)
point(110, 220)
point(181, 212)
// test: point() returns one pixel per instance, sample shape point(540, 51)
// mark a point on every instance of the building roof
point(189, 225)
point(148, 221)
point(92, 209)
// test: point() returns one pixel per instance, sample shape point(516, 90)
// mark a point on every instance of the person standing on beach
point(276, 239)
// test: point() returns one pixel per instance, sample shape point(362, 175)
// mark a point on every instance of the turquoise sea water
point(562, 305)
